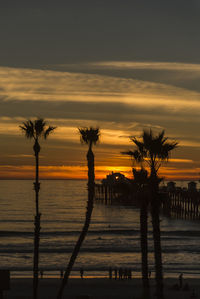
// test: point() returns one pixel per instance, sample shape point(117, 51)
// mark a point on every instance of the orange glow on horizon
point(59, 172)
point(80, 172)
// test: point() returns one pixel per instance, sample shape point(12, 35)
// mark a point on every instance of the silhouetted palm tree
point(154, 150)
point(34, 130)
point(141, 182)
point(89, 136)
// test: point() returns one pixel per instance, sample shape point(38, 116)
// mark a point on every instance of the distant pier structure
point(181, 202)
point(176, 202)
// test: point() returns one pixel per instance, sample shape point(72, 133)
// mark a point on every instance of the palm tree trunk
point(155, 208)
point(144, 245)
point(36, 256)
point(90, 159)
point(36, 222)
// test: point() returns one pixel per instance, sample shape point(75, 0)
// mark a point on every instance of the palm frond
point(147, 138)
point(152, 149)
point(158, 148)
point(28, 128)
point(166, 149)
point(140, 145)
point(89, 135)
point(48, 131)
point(35, 129)
point(136, 155)
point(39, 125)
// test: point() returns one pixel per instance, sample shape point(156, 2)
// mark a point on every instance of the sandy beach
point(97, 288)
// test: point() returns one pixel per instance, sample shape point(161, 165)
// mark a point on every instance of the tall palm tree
point(141, 181)
point(154, 150)
point(34, 130)
point(88, 136)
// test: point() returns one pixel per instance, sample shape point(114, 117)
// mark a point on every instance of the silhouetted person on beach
point(61, 273)
point(115, 273)
point(120, 273)
point(181, 280)
point(129, 274)
point(125, 273)
point(41, 274)
point(110, 273)
point(81, 273)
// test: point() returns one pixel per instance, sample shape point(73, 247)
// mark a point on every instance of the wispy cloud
point(19, 156)
point(173, 66)
point(39, 85)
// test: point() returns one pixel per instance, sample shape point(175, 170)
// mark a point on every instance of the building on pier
point(192, 186)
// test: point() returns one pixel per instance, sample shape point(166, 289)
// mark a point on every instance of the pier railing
point(181, 204)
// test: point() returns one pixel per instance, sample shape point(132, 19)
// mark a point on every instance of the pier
point(112, 195)
point(174, 202)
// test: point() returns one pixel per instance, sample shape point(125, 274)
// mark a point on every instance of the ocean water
point(113, 238)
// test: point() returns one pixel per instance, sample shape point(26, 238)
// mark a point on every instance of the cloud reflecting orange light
point(28, 85)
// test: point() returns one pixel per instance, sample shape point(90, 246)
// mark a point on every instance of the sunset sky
point(121, 65)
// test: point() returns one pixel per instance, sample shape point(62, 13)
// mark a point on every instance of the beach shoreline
point(98, 273)
point(98, 288)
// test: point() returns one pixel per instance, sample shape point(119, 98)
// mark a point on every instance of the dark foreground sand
point(96, 288)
